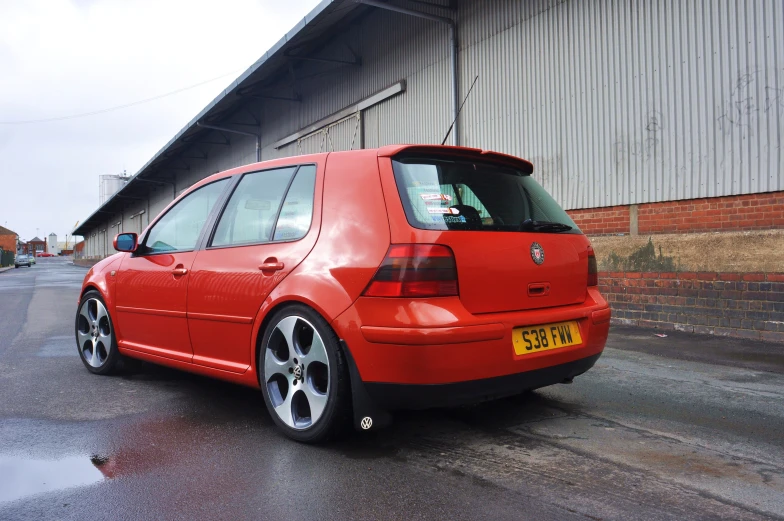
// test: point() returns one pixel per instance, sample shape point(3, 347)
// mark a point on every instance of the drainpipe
point(452, 51)
point(251, 134)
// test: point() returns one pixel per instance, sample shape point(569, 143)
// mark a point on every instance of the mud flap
point(367, 415)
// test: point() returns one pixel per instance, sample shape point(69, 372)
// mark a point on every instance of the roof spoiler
point(469, 153)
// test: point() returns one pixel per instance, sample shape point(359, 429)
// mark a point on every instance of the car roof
point(387, 151)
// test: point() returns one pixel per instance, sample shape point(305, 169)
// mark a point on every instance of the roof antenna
point(459, 109)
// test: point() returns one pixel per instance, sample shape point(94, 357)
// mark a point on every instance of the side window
point(297, 210)
point(179, 228)
point(250, 215)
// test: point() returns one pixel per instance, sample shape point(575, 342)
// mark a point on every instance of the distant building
point(108, 185)
point(51, 244)
point(8, 239)
point(66, 247)
point(34, 246)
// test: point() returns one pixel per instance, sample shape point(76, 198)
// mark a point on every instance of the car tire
point(311, 404)
point(95, 339)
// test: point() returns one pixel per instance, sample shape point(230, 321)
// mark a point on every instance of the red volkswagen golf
point(349, 284)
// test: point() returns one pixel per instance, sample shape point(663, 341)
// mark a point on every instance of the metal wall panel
point(420, 115)
point(393, 47)
point(620, 102)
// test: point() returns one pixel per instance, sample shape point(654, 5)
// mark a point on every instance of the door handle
point(180, 271)
point(271, 266)
point(541, 289)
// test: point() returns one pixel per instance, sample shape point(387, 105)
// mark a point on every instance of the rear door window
point(297, 210)
point(459, 194)
point(272, 205)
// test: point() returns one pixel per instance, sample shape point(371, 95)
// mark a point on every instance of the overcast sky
point(64, 57)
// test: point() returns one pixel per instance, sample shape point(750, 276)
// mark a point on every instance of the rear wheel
point(303, 376)
point(95, 336)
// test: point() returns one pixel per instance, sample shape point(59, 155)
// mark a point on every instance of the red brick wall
point(740, 212)
point(732, 213)
point(749, 305)
point(602, 221)
point(8, 242)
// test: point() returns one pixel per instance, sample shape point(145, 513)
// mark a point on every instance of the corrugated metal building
point(615, 102)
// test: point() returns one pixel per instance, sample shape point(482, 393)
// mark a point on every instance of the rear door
point(515, 248)
point(265, 230)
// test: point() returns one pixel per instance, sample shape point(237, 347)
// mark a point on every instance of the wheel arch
point(264, 318)
point(90, 287)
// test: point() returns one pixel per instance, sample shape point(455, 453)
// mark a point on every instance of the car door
point(152, 282)
point(266, 229)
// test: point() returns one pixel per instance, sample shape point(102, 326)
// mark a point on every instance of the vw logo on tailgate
point(537, 253)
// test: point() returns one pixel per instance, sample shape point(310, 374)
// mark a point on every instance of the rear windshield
point(447, 194)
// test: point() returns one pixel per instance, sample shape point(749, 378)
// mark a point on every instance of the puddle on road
point(23, 477)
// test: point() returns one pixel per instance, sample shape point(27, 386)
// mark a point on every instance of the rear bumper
point(436, 341)
point(412, 396)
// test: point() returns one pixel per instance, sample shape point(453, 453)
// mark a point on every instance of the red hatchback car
point(349, 284)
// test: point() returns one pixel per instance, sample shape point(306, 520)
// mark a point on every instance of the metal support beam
point(452, 51)
point(194, 139)
point(256, 120)
point(251, 134)
point(295, 99)
point(357, 62)
point(202, 142)
point(450, 7)
point(171, 183)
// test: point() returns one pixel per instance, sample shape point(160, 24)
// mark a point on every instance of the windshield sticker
point(445, 211)
point(436, 197)
point(453, 219)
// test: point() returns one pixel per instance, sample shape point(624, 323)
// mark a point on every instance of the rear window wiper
point(543, 226)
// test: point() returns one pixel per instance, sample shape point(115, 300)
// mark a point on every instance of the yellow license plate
point(527, 340)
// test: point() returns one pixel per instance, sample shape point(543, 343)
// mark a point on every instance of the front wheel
point(303, 376)
point(95, 336)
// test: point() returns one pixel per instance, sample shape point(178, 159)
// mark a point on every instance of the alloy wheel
point(94, 332)
point(296, 372)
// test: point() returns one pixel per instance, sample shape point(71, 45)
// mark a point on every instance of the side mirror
point(126, 242)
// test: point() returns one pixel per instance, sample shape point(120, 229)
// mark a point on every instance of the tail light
point(593, 273)
point(415, 270)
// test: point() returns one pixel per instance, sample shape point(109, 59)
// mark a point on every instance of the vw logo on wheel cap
point(537, 253)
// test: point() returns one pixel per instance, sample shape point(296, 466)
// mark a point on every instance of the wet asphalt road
point(677, 428)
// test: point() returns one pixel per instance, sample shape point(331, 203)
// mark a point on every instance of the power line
point(118, 107)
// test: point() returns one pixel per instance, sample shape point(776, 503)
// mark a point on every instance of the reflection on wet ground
point(24, 477)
